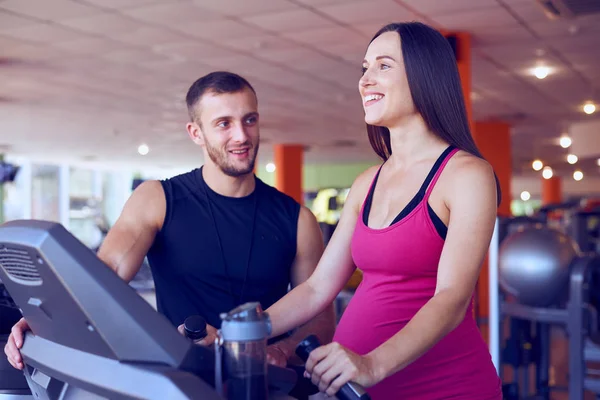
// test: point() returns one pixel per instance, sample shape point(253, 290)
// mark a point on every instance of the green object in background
point(319, 176)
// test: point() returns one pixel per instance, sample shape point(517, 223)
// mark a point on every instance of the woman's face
point(384, 87)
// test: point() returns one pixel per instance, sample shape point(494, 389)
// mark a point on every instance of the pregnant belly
point(458, 365)
point(374, 316)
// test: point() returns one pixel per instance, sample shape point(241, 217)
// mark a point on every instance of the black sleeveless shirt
point(214, 252)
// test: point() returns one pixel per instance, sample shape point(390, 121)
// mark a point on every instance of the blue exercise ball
point(534, 265)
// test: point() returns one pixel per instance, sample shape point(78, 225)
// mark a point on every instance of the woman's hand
point(331, 366)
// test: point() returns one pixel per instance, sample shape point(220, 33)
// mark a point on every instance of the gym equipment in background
point(534, 264)
point(545, 280)
point(92, 334)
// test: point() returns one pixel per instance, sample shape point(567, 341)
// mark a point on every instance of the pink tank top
point(399, 265)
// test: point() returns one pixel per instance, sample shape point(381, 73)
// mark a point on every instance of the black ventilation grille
point(20, 265)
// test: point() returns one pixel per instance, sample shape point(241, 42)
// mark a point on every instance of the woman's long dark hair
point(435, 88)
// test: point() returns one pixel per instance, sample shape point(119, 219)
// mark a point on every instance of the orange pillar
point(463, 60)
point(493, 140)
point(551, 190)
point(488, 137)
point(288, 170)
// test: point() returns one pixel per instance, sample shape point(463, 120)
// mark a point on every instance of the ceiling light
point(547, 173)
point(143, 149)
point(572, 159)
point(525, 195)
point(270, 167)
point(565, 142)
point(598, 162)
point(537, 165)
point(541, 72)
point(589, 108)
point(578, 175)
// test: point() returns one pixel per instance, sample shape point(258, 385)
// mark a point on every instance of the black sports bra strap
point(434, 170)
point(415, 200)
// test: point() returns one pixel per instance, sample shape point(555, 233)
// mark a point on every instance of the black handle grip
point(195, 327)
point(350, 390)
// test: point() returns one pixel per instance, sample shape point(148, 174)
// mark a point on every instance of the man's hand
point(209, 340)
point(15, 342)
point(277, 356)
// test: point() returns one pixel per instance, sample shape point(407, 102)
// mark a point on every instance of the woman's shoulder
point(366, 177)
point(464, 163)
point(467, 175)
point(361, 185)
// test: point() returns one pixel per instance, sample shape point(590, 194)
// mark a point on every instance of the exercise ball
point(534, 265)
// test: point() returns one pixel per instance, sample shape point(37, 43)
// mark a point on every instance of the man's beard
point(221, 160)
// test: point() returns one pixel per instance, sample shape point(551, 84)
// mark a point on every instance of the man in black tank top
point(218, 236)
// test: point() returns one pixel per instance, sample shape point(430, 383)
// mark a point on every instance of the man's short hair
point(216, 82)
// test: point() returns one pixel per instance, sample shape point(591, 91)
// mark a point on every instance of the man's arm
point(129, 240)
point(309, 251)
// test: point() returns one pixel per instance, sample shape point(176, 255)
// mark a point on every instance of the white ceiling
point(93, 79)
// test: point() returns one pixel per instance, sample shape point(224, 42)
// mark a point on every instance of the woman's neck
point(412, 141)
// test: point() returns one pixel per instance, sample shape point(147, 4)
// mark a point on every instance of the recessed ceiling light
point(572, 159)
point(143, 149)
point(578, 175)
point(565, 142)
point(537, 165)
point(541, 72)
point(589, 108)
point(547, 173)
point(525, 195)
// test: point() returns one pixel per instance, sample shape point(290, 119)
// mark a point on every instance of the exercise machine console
point(92, 335)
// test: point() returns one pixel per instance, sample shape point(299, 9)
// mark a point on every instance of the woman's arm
point(333, 271)
point(471, 199)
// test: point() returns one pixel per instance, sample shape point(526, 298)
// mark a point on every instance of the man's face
point(228, 130)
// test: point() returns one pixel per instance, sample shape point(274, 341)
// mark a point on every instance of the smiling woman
point(418, 226)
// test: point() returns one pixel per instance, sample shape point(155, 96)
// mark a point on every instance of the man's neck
point(225, 185)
